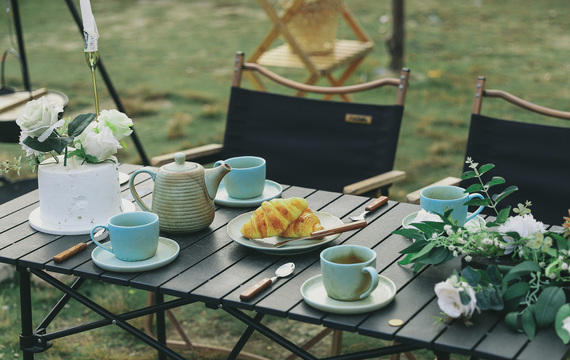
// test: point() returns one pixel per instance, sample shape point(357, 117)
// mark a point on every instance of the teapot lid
point(180, 164)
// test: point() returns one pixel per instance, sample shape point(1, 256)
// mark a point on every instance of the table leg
point(26, 313)
point(160, 325)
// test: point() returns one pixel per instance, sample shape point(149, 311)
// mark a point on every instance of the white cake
point(78, 195)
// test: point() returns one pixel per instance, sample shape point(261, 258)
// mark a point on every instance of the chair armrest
point(197, 154)
point(375, 182)
point(414, 197)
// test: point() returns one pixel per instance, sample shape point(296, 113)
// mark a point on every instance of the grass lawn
point(171, 63)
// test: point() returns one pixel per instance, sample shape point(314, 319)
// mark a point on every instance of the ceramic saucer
point(271, 190)
point(474, 224)
point(167, 251)
point(37, 223)
point(123, 178)
point(297, 247)
point(314, 294)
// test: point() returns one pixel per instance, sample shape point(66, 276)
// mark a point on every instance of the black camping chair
point(330, 145)
point(534, 157)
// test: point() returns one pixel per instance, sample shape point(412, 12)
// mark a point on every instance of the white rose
point(39, 118)
point(525, 225)
point(449, 300)
point(566, 324)
point(118, 122)
point(101, 145)
point(81, 137)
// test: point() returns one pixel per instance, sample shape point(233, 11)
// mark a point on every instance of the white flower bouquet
point(89, 137)
point(526, 271)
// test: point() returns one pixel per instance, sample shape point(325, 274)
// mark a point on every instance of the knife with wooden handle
point(326, 232)
point(75, 249)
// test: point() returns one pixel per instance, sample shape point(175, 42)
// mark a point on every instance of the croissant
point(303, 226)
point(273, 217)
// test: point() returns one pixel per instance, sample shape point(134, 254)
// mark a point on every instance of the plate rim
point(286, 250)
point(136, 265)
point(256, 201)
point(478, 217)
point(38, 224)
point(355, 308)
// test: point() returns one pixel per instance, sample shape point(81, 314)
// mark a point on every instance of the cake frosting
point(79, 194)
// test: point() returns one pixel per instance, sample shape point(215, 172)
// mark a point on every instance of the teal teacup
point(349, 272)
point(437, 199)
point(134, 235)
point(247, 178)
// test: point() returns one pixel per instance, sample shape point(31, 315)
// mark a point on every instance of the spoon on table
point(373, 206)
point(282, 271)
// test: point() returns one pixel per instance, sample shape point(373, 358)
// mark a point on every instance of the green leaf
point(512, 321)
point(521, 270)
point(495, 275)
point(561, 242)
point(471, 276)
point(436, 257)
point(79, 124)
point(503, 215)
point(474, 188)
point(505, 193)
point(562, 314)
point(549, 302)
point(426, 249)
point(415, 247)
point(496, 300)
point(478, 202)
point(496, 180)
point(528, 324)
point(483, 299)
point(465, 298)
point(468, 175)
point(410, 233)
point(484, 168)
point(513, 294)
point(58, 144)
point(406, 260)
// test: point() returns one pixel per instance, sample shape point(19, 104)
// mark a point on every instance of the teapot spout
point(213, 176)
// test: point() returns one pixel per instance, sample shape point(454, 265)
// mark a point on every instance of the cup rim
point(263, 161)
point(330, 249)
point(465, 194)
point(125, 214)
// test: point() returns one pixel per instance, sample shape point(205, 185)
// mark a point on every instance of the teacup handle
point(472, 196)
point(134, 190)
point(374, 275)
point(95, 240)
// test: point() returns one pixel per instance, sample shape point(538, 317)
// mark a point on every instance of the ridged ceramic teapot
point(183, 196)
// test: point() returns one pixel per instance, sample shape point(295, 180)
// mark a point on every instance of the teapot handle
point(133, 189)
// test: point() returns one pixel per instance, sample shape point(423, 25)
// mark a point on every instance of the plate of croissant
point(280, 219)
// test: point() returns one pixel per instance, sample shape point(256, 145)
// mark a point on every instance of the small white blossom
point(455, 253)
point(468, 258)
point(451, 247)
point(552, 276)
point(542, 264)
point(564, 266)
point(449, 300)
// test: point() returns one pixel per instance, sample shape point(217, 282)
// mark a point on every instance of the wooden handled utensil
point(373, 206)
point(282, 271)
point(76, 249)
point(326, 232)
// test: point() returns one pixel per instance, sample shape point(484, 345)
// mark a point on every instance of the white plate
point(297, 247)
point(123, 178)
point(271, 190)
point(314, 294)
point(37, 223)
point(476, 223)
point(167, 251)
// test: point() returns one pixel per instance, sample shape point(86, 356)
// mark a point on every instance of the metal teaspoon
point(282, 271)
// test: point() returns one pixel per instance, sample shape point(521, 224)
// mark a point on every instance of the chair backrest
point(313, 143)
point(534, 157)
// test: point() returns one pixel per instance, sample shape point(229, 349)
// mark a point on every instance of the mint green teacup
point(437, 199)
point(247, 178)
point(349, 272)
point(134, 235)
